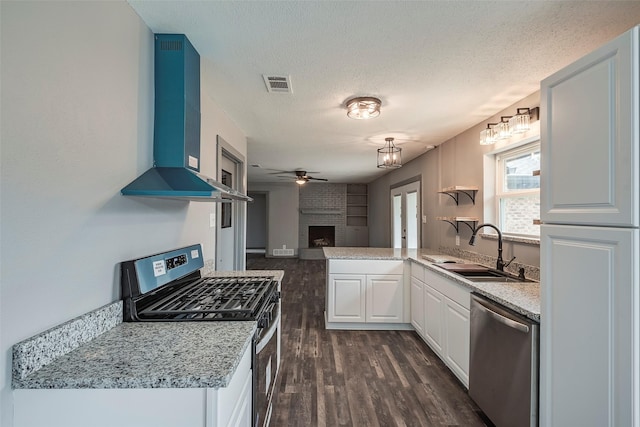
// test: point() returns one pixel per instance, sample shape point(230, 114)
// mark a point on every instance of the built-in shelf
point(455, 191)
point(357, 205)
point(455, 221)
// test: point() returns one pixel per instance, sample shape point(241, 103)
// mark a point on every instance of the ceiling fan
point(302, 177)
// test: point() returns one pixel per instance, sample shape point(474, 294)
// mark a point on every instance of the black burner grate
point(212, 298)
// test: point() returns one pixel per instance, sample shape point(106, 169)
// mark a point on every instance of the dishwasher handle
point(502, 319)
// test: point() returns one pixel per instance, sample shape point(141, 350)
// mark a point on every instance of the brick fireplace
point(322, 210)
point(322, 236)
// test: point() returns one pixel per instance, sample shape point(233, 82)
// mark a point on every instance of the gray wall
point(77, 117)
point(282, 211)
point(257, 221)
point(457, 161)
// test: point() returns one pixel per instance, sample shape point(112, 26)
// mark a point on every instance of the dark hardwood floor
point(355, 378)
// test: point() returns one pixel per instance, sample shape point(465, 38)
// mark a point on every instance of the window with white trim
point(517, 192)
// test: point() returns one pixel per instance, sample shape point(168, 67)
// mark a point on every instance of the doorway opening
point(405, 215)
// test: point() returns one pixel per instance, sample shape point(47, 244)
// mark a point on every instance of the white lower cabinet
point(384, 298)
point(347, 298)
point(590, 338)
point(365, 292)
point(456, 346)
point(433, 319)
point(156, 407)
point(417, 305)
point(441, 318)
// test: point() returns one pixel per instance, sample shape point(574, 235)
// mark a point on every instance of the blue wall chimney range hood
point(176, 136)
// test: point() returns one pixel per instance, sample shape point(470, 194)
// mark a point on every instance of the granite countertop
point(368, 253)
point(523, 298)
point(98, 350)
point(150, 355)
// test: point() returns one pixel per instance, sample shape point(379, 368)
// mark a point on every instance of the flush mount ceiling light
point(389, 156)
point(363, 108)
point(509, 125)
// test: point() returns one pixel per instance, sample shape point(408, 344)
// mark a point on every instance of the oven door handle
point(264, 340)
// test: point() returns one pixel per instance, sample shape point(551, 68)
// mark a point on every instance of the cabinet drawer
point(448, 288)
point(351, 266)
point(417, 271)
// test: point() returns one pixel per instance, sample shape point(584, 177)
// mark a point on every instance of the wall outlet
point(424, 219)
point(212, 220)
point(457, 240)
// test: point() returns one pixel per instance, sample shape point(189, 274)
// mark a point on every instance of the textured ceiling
point(439, 68)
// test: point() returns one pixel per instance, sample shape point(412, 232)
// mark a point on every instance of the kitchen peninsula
point(523, 298)
point(398, 289)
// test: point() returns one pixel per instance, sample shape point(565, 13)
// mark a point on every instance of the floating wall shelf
point(456, 220)
point(454, 192)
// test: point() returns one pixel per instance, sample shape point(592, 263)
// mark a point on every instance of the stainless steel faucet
point(500, 265)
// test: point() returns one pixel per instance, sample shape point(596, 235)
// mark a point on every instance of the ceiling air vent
point(278, 83)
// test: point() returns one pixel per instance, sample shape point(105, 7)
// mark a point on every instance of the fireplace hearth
point(322, 236)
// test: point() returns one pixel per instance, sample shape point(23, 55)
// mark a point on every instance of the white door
point(346, 298)
point(589, 336)
point(434, 314)
point(417, 305)
point(590, 134)
point(226, 247)
point(232, 217)
point(456, 349)
point(384, 298)
point(405, 215)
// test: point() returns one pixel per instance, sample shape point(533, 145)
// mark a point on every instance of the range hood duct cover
point(176, 136)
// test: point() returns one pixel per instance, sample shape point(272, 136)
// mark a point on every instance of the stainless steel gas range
point(168, 287)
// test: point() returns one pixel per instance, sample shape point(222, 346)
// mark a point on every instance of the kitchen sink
point(500, 279)
point(478, 273)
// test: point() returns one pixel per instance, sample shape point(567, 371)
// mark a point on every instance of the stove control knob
point(263, 322)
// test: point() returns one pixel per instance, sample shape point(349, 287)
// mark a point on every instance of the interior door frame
point(239, 213)
point(402, 186)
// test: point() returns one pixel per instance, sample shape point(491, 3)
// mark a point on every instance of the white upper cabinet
point(589, 134)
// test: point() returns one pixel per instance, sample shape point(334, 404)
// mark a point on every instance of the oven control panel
point(160, 269)
point(176, 261)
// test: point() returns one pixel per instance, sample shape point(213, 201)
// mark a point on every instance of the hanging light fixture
point(502, 128)
point(389, 156)
point(505, 129)
point(301, 180)
point(521, 122)
point(363, 108)
point(488, 135)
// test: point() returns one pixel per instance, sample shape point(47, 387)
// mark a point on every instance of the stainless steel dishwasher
point(503, 364)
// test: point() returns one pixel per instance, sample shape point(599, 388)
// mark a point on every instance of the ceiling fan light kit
point(363, 108)
point(389, 156)
point(302, 177)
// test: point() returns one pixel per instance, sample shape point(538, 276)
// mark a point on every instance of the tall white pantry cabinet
point(590, 244)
